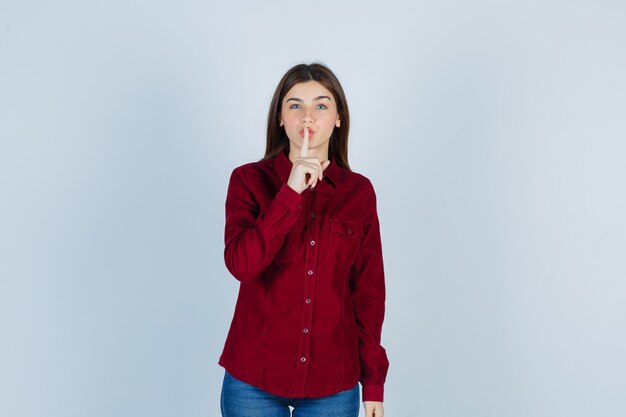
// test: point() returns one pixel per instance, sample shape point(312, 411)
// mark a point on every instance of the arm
point(253, 238)
point(367, 285)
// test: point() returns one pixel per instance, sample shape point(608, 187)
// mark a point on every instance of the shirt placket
point(310, 277)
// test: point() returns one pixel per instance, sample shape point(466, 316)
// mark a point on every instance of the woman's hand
point(373, 409)
point(306, 166)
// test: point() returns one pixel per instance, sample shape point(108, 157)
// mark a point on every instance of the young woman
point(302, 236)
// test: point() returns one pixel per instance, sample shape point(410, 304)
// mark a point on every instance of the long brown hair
point(277, 140)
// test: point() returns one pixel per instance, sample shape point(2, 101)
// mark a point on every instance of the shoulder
point(359, 182)
point(251, 170)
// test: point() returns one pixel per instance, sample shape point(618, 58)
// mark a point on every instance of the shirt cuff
point(289, 197)
point(373, 392)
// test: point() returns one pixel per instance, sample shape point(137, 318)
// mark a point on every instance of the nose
point(307, 118)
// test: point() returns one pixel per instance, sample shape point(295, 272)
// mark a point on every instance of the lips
point(311, 132)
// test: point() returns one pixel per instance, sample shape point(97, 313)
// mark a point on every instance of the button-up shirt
point(311, 303)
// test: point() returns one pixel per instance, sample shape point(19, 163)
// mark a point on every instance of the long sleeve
point(367, 284)
point(253, 238)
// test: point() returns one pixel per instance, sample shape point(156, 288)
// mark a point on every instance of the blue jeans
point(240, 399)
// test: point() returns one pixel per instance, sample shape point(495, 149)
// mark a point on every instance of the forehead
point(308, 90)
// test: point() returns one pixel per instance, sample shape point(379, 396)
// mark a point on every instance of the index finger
point(304, 151)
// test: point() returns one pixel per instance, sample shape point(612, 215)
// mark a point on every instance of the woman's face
point(309, 104)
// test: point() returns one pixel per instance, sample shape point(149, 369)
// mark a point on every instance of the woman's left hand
point(373, 409)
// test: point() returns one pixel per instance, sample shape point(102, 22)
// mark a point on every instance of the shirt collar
point(333, 173)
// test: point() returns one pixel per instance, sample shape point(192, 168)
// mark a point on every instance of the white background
point(493, 132)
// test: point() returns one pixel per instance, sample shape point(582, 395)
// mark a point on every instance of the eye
point(322, 106)
point(294, 106)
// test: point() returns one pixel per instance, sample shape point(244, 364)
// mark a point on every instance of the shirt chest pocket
point(345, 237)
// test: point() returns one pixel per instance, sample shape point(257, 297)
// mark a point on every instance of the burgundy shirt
point(311, 302)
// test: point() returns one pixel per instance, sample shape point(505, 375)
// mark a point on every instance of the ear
point(338, 121)
point(280, 121)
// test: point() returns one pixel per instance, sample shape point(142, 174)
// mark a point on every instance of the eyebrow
point(300, 100)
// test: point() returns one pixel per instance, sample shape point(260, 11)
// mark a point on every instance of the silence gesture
point(306, 170)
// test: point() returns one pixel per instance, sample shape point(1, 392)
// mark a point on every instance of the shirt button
point(313, 215)
point(312, 243)
point(305, 330)
point(349, 231)
point(310, 272)
point(308, 301)
point(299, 206)
point(303, 359)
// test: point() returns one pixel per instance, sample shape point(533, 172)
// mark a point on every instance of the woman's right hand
point(306, 170)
